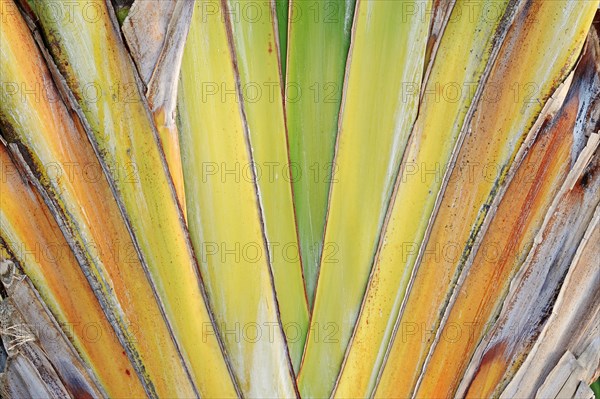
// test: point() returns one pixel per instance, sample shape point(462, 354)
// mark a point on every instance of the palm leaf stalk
point(218, 131)
point(318, 44)
point(37, 349)
point(495, 133)
point(265, 122)
point(571, 330)
point(426, 157)
point(365, 168)
point(165, 255)
point(550, 259)
point(47, 143)
point(53, 269)
point(298, 198)
point(554, 151)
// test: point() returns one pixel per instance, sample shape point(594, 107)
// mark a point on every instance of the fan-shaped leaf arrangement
point(329, 198)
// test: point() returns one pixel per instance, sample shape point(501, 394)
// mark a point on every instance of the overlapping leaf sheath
point(258, 68)
point(26, 321)
point(62, 164)
point(376, 119)
point(572, 328)
point(554, 150)
point(318, 42)
point(535, 288)
point(442, 113)
point(224, 196)
point(123, 135)
point(504, 246)
point(29, 370)
point(546, 267)
point(28, 230)
point(520, 82)
point(156, 33)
